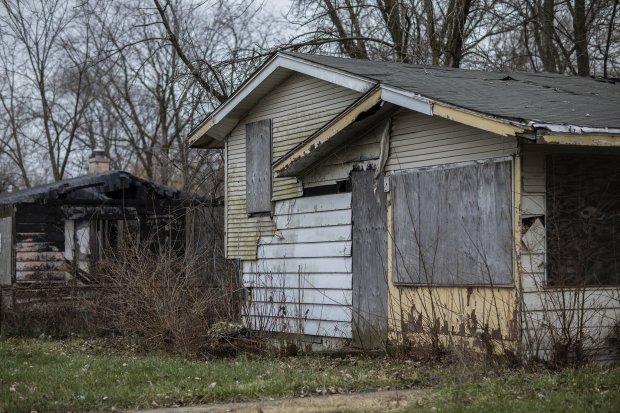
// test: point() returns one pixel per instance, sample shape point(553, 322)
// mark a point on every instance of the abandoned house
point(56, 233)
point(377, 202)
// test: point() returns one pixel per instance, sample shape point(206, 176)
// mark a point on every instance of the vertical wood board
point(369, 251)
point(258, 164)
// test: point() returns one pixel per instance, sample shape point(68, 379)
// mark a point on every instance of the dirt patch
point(379, 401)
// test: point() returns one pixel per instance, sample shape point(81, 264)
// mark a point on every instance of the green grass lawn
point(586, 389)
point(79, 376)
point(60, 376)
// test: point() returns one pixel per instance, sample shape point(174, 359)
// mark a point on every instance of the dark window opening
point(583, 220)
point(337, 188)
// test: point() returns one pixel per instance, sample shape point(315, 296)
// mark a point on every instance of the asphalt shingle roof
point(519, 96)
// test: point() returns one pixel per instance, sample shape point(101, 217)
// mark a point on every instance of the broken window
point(583, 220)
point(453, 224)
point(258, 167)
point(337, 188)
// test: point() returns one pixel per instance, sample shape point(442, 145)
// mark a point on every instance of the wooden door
point(369, 251)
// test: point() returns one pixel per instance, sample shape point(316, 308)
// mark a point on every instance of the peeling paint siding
point(543, 307)
point(421, 140)
point(478, 317)
point(301, 282)
point(456, 314)
point(298, 107)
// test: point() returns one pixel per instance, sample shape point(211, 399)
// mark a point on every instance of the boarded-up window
point(583, 220)
point(258, 166)
point(453, 224)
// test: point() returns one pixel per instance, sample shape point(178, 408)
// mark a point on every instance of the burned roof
point(95, 187)
point(520, 96)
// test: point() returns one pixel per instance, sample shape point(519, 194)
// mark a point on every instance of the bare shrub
point(151, 294)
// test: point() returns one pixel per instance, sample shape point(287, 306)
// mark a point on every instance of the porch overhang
point(357, 118)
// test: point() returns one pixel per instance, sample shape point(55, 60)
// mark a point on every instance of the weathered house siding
point(451, 166)
point(419, 140)
point(301, 281)
point(467, 313)
point(546, 310)
point(297, 108)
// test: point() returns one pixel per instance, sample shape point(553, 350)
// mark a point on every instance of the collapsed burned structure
point(57, 232)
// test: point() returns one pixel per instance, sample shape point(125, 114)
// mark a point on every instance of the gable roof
point(521, 101)
point(525, 98)
point(91, 187)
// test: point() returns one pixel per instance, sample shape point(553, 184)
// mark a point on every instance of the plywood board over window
point(258, 164)
point(453, 224)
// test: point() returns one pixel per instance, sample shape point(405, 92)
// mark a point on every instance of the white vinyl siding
point(301, 281)
point(421, 140)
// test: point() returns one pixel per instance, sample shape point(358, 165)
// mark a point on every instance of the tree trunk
point(609, 33)
point(347, 44)
point(392, 15)
point(458, 12)
point(581, 38)
point(546, 19)
point(432, 32)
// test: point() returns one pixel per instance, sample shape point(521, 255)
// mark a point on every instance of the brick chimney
point(98, 162)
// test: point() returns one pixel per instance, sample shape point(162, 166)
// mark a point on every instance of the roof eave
point(198, 137)
point(577, 136)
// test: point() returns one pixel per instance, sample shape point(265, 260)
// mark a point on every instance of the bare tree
point(53, 68)
point(13, 118)
point(577, 36)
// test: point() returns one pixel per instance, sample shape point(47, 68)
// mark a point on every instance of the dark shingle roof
point(91, 187)
point(519, 96)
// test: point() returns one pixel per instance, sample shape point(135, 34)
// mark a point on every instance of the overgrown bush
point(160, 298)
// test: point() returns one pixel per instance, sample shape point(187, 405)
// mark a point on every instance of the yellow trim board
point(346, 118)
point(201, 131)
point(476, 120)
point(581, 139)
